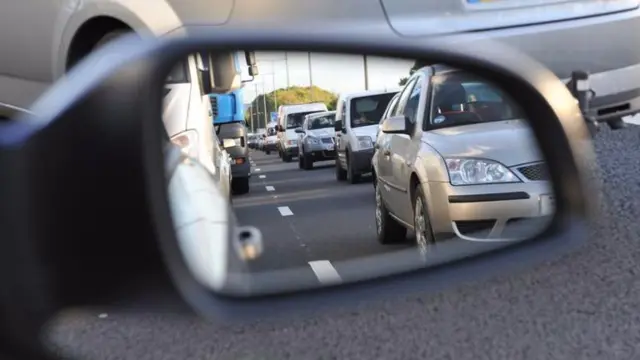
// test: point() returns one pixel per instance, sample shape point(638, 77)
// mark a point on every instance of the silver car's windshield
point(322, 122)
point(464, 99)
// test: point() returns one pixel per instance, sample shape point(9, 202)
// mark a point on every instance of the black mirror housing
point(137, 141)
point(337, 125)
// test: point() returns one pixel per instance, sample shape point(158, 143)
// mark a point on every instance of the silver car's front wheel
point(388, 230)
point(378, 212)
point(422, 223)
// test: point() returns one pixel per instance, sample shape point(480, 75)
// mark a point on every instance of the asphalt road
point(581, 306)
point(308, 219)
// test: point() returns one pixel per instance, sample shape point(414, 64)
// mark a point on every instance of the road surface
point(582, 306)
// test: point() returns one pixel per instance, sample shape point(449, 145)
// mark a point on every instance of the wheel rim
point(378, 211)
point(421, 228)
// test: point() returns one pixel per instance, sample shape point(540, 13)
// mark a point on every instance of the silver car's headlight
point(313, 141)
point(464, 171)
point(365, 142)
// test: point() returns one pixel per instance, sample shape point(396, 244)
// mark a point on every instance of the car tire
point(300, 162)
point(421, 221)
point(286, 158)
point(240, 185)
point(307, 162)
point(267, 152)
point(341, 174)
point(388, 230)
point(352, 177)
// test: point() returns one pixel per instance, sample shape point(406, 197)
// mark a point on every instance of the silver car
point(41, 40)
point(454, 158)
point(316, 139)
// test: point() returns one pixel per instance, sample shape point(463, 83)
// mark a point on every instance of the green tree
point(287, 96)
point(419, 64)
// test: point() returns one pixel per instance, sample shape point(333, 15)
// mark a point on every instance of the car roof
point(319, 114)
point(438, 69)
point(356, 94)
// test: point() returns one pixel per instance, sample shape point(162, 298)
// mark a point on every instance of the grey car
point(475, 174)
point(316, 139)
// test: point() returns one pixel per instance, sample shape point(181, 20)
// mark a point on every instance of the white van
point(290, 118)
point(187, 116)
point(357, 117)
point(271, 138)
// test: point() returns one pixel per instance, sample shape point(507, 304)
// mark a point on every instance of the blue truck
point(229, 123)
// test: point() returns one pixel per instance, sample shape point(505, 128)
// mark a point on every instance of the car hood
point(321, 133)
point(510, 142)
point(371, 130)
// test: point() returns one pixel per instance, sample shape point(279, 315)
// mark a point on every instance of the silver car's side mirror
point(395, 125)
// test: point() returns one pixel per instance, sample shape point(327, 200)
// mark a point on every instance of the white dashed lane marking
point(285, 211)
point(325, 272)
point(270, 188)
point(262, 176)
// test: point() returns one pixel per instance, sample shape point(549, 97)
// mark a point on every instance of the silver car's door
point(405, 149)
point(382, 164)
point(388, 148)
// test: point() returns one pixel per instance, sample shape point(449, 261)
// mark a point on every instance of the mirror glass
point(461, 176)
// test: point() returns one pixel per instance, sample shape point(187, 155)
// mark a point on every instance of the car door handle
point(387, 153)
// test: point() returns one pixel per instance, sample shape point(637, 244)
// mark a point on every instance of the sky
point(334, 72)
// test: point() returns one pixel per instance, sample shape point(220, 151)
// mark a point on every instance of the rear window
point(295, 120)
point(368, 110)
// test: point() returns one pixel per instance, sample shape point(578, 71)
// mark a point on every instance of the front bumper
point(489, 212)
point(320, 151)
point(361, 161)
point(291, 151)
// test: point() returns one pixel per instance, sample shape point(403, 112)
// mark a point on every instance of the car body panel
point(474, 212)
point(324, 144)
point(348, 139)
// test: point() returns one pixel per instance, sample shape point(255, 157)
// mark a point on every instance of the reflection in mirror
point(455, 168)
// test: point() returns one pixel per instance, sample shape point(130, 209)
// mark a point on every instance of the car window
point(294, 120)
point(404, 95)
point(391, 108)
point(463, 99)
point(322, 122)
point(411, 106)
point(368, 110)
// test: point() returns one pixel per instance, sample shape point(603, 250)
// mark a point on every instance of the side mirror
point(228, 143)
point(395, 125)
point(337, 126)
point(299, 131)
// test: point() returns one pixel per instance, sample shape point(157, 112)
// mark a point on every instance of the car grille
point(214, 106)
point(535, 172)
point(327, 140)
